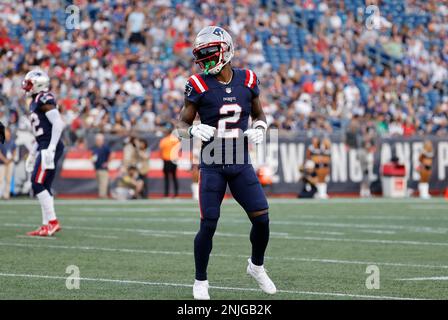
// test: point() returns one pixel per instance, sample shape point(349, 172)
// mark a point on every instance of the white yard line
point(158, 235)
point(378, 231)
point(273, 235)
point(34, 238)
point(183, 285)
point(357, 226)
point(194, 212)
point(442, 278)
point(331, 233)
point(190, 253)
point(170, 201)
point(127, 210)
point(100, 237)
point(443, 207)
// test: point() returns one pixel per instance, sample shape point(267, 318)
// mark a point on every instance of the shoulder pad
point(250, 79)
point(45, 98)
point(198, 83)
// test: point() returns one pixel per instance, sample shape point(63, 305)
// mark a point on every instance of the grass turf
point(143, 250)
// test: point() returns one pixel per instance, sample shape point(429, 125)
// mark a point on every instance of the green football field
point(144, 250)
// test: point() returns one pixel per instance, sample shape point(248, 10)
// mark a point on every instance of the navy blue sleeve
point(256, 89)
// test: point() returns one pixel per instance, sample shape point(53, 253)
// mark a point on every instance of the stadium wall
point(77, 176)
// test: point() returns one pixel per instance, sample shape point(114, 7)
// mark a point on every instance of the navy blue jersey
point(227, 107)
point(40, 124)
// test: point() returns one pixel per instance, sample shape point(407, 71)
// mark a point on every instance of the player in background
point(225, 98)
point(47, 126)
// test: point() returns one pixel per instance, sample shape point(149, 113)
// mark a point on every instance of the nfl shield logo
point(228, 90)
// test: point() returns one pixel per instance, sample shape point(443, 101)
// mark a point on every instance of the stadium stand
point(320, 65)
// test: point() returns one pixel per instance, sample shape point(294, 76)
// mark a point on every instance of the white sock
point(44, 216)
point(47, 204)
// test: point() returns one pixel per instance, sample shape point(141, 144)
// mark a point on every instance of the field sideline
point(143, 250)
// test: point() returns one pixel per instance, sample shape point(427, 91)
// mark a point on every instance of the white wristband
point(260, 123)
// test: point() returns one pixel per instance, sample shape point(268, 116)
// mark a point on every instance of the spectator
point(101, 154)
point(143, 154)
point(169, 150)
point(129, 185)
point(326, 62)
point(133, 87)
point(7, 155)
point(147, 122)
point(136, 23)
point(308, 180)
point(130, 152)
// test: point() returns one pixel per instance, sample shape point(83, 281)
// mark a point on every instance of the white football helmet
point(36, 81)
point(213, 49)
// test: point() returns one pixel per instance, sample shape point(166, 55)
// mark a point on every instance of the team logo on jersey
point(188, 89)
point(229, 99)
point(228, 90)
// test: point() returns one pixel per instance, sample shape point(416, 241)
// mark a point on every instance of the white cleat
point(200, 290)
point(262, 278)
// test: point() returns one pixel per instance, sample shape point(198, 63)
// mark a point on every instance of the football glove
point(202, 131)
point(256, 134)
point(48, 158)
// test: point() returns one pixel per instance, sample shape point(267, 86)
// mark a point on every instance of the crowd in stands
point(124, 66)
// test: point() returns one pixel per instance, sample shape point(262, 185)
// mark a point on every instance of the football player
point(224, 98)
point(47, 126)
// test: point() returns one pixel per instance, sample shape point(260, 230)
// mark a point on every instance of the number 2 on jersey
point(224, 112)
point(35, 125)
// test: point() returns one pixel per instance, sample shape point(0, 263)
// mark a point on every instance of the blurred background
point(358, 91)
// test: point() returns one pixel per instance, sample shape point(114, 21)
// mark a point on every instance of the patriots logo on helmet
point(218, 31)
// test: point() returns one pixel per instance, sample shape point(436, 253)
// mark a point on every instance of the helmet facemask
point(210, 58)
point(27, 86)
